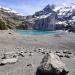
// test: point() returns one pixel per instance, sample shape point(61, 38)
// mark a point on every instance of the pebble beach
point(33, 48)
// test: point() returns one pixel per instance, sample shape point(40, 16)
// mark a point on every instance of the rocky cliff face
point(55, 18)
point(45, 23)
point(25, 25)
point(47, 19)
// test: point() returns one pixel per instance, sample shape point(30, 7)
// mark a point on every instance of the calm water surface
point(34, 32)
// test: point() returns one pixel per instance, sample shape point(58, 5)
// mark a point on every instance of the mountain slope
point(10, 17)
point(55, 18)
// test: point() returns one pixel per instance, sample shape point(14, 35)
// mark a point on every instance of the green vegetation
point(3, 26)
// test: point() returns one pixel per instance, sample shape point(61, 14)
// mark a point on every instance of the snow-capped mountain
point(65, 7)
point(59, 16)
point(65, 10)
point(48, 9)
point(50, 18)
point(9, 10)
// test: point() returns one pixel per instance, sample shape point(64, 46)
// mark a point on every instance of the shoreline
point(12, 39)
point(14, 42)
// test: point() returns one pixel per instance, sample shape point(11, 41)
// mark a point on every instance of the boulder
point(51, 65)
point(9, 57)
point(67, 52)
point(60, 55)
point(22, 53)
point(9, 61)
point(31, 54)
point(40, 49)
point(67, 56)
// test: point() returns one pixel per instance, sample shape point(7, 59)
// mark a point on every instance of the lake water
point(34, 32)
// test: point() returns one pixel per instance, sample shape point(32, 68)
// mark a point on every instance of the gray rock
point(67, 52)
point(43, 52)
point(9, 55)
point(9, 58)
point(31, 54)
point(25, 52)
point(51, 65)
point(21, 54)
point(57, 51)
point(67, 56)
point(29, 64)
point(60, 55)
point(35, 50)
point(40, 49)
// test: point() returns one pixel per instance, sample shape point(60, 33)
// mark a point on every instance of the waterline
point(34, 32)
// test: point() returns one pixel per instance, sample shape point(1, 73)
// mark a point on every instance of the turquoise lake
point(34, 32)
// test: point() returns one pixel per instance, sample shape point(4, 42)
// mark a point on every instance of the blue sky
point(28, 7)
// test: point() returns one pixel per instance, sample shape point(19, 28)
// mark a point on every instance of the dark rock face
point(43, 25)
point(51, 65)
point(59, 27)
point(25, 25)
point(47, 24)
point(70, 28)
point(48, 9)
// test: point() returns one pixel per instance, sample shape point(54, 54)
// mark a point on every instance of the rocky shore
point(31, 49)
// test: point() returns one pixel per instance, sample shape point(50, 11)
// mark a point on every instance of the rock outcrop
point(51, 65)
point(25, 25)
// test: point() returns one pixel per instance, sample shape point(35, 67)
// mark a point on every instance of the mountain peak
point(49, 7)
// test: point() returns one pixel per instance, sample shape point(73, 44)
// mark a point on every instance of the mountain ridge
point(49, 18)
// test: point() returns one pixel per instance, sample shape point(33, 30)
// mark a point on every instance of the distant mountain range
point(49, 18)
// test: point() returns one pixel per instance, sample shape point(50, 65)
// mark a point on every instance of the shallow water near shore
point(35, 32)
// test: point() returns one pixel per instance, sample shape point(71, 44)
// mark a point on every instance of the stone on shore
point(9, 61)
point(22, 54)
point(8, 55)
point(67, 52)
point(9, 58)
point(31, 54)
point(60, 55)
point(51, 65)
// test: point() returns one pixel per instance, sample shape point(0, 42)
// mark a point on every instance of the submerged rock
point(51, 65)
